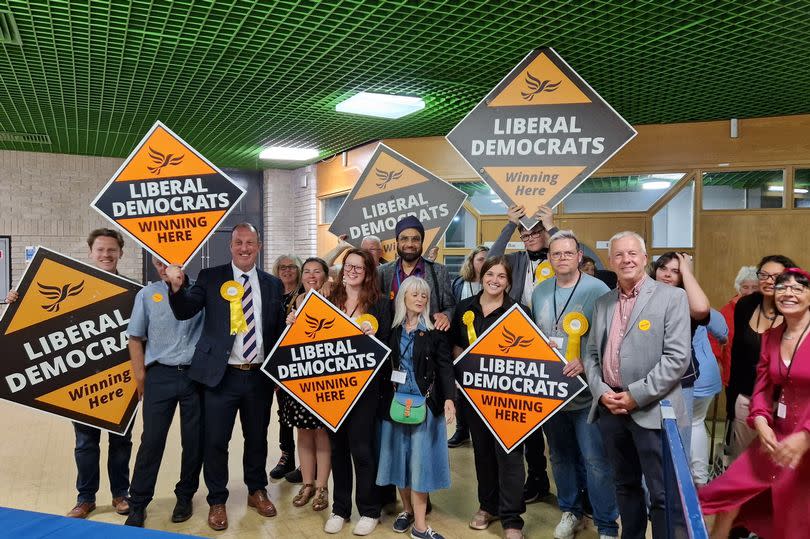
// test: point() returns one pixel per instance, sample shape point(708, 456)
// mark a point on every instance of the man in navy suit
point(228, 366)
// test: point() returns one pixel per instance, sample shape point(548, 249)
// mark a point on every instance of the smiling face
point(354, 270)
point(628, 259)
point(409, 245)
point(767, 274)
point(669, 273)
point(105, 253)
point(495, 281)
point(415, 301)
point(313, 276)
point(288, 272)
point(792, 298)
point(245, 248)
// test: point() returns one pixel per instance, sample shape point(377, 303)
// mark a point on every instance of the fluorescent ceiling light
point(655, 185)
point(496, 201)
point(669, 176)
point(381, 105)
point(781, 189)
point(281, 153)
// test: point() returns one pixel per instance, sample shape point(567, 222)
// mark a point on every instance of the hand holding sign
point(176, 277)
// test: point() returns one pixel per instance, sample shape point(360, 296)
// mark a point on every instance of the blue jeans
point(88, 454)
point(565, 431)
point(686, 430)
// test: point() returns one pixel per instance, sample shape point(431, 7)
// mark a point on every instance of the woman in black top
point(500, 475)
point(753, 316)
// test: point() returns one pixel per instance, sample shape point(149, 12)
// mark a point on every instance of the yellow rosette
point(575, 325)
point(468, 319)
point(543, 271)
point(370, 319)
point(232, 292)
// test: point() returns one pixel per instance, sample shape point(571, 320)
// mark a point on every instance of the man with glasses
point(573, 442)
point(524, 267)
point(372, 244)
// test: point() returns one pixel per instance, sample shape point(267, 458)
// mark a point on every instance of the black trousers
point(164, 389)
point(500, 474)
point(251, 394)
point(635, 451)
point(536, 462)
point(286, 439)
point(354, 443)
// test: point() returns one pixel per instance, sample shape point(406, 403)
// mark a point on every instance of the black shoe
point(295, 476)
point(429, 508)
point(285, 465)
point(586, 503)
point(136, 518)
point(533, 492)
point(459, 438)
point(182, 510)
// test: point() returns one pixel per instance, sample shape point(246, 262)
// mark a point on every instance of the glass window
point(672, 224)
point(482, 198)
point(330, 207)
point(801, 186)
point(743, 190)
point(620, 193)
point(453, 264)
point(462, 231)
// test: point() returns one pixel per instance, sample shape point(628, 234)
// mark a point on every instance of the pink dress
point(775, 501)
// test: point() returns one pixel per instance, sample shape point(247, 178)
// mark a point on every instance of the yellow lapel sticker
point(644, 325)
point(157, 298)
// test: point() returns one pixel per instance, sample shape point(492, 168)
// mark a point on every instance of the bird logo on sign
point(538, 86)
point(317, 324)
point(162, 161)
point(513, 341)
point(386, 176)
point(58, 294)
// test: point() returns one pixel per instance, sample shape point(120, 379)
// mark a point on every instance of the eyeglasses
point(561, 255)
point(287, 268)
point(792, 288)
point(528, 235)
point(349, 268)
point(765, 276)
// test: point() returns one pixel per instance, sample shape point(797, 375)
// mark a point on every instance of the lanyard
point(409, 344)
point(554, 301)
point(793, 355)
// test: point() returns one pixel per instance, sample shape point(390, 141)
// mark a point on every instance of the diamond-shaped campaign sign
point(391, 187)
point(168, 197)
point(64, 343)
point(513, 378)
point(325, 361)
point(539, 133)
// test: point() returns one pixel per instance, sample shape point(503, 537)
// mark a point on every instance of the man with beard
point(410, 235)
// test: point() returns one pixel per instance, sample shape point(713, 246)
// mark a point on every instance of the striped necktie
point(249, 350)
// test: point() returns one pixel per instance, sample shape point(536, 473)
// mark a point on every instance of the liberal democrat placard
point(513, 378)
point(391, 187)
point(324, 360)
point(539, 133)
point(168, 197)
point(64, 343)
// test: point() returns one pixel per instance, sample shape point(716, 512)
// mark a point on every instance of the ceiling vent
point(9, 34)
point(30, 138)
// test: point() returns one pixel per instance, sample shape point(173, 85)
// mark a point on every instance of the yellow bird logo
point(538, 86)
point(317, 324)
point(386, 176)
point(58, 294)
point(162, 161)
point(513, 341)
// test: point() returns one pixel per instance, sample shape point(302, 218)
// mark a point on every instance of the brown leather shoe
point(262, 503)
point(121, 505)
point(481, 520)
point(217, 517)
point(82, 510)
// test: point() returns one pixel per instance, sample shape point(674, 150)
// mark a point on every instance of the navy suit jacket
point(214, 347)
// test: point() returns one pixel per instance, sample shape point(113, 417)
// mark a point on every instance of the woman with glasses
point(288, 269)
point(767, 489)
point(754, 315)
point(356, 293)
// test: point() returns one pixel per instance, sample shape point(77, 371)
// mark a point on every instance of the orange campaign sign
point(168, 197)
point(513, 378)
point(539, 133)
point(64, 343)
point(325, 361)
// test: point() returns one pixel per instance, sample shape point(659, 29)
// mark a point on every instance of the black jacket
point(433, 366)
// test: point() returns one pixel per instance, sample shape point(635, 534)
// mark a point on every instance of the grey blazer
point(442, 299)
point(652, 360)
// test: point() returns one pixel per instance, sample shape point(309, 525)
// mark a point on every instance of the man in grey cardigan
point(410, 235)
point(638, 349)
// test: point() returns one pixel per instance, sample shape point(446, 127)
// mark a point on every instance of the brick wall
point(45, 200)
point(289, 214)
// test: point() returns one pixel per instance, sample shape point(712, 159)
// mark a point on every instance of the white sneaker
point(365, 525)
point(603, 536)
point(569, 526)
point(334, 524)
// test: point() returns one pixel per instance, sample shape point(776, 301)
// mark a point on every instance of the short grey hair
point(564, 235)
point(371, 238)
point(746, 273)
point(625, 234)
point(418, 285)
point(295, 259)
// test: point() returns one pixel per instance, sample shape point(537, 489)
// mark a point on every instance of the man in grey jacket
point(638, 349)
point(410, 235)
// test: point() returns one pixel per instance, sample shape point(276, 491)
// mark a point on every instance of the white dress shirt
point(236, 357)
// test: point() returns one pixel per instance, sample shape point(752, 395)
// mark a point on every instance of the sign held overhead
point(168, 197)
point(539, 133)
